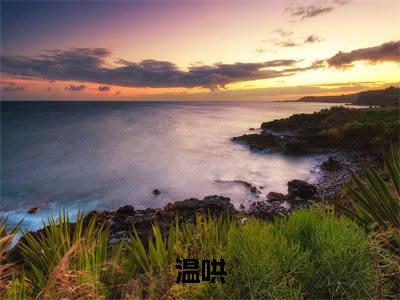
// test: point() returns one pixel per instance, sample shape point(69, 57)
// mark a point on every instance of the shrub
point(261, 265)
point(340, 259)
point(309, 254)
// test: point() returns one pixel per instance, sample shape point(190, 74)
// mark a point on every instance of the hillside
point(387, 97)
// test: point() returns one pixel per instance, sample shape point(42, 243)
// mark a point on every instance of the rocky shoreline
point(123, 220)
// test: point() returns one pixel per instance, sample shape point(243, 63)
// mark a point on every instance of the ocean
point(102, 155)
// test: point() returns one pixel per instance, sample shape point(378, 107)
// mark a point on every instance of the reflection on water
point(104, 155)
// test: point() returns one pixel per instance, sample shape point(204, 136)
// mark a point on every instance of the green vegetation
point(361, 129)
point(311, 254)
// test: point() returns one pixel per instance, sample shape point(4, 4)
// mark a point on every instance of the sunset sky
point(197, 50)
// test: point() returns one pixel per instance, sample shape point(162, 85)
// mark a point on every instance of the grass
point(340, 256)
point(311, 253)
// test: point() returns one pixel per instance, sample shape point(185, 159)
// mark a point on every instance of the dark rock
point(33, 210)
point(331, 165)
point(156, 192)
point(301, 190)
point(296, 147)
point(274, 196)
point(125, 210)
point(248, 185)
point(267, 210)
point(215, 205)
point(252, 129)
point(264, 141)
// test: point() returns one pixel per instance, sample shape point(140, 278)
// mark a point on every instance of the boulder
point(266, 210)
point(125, 210)
point(274, 196)
point(156, 192)
point(301, 190)
point(189, 207)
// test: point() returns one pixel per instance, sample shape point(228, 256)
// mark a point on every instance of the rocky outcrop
point(267, 210)
point(261, 141)
point(270, 142)
point(274, 196)
point(252, 188)
point(278, 204)
point(299, 190)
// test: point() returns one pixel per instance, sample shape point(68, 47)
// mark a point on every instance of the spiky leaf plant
point(6, 238)
point(65, 258)
point(376, 203)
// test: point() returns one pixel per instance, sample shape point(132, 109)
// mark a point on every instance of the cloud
point(287, 44)
point(104, 88)
point(12, 87)
point(310, 11)
point(389, 51)
point(341, 2)
point(260, 50)
point(311, 39)
point(87, 65)
point(282, 32)
point(314, 10)
point(75, 88)
point(117, 93)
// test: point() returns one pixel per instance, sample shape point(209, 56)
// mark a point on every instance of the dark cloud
point(311, 39)
point(310, 11)
point(87, 65)
point(12, 87)
point(104, 88)
point(341, 2)
point(117, 93)
point(75, 88)
point(282, 32)
point(386, 52)
point(287, 44)
point(314, 10)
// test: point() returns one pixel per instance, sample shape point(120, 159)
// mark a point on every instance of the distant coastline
point(386, 97)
